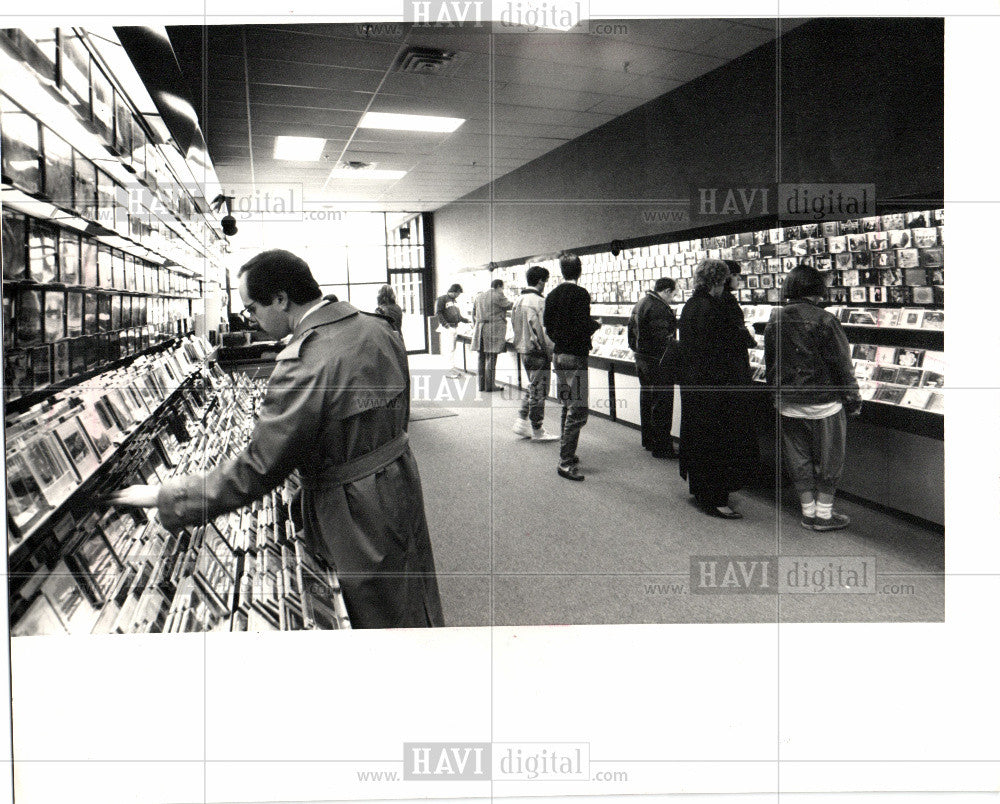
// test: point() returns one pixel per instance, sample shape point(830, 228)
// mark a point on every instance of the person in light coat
point(535, 349)
point(335, 411)
point(489, 336)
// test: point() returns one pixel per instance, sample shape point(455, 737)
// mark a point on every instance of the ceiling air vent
point(426, 61)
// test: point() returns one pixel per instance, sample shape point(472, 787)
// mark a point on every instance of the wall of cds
point(885, 260)
point(72, 304)
point(37, 161)
point(101, 569)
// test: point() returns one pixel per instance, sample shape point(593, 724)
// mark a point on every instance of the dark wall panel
point(861, 100)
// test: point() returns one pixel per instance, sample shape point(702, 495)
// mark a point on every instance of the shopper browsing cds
point(449, 317)
point(335, 411)
point(535, 349)
point(652, 336)
point(718, 451)
point(489, 338)
point(808, 362)
point(569, 325)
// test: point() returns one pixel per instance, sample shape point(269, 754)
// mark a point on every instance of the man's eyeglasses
point(248, 312)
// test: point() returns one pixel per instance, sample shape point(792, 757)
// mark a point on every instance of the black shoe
point(570, 472)
point(715, 511)
point(664, 454)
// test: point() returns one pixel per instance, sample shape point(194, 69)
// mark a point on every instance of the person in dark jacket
point(449, 317)
point(388, 308)
point(652, 336)
point(335, 411)
point(808, 363)
point(569, 325)
point(718, 449)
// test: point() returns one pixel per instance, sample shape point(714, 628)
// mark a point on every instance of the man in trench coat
point(335, 411)
point(489, 338)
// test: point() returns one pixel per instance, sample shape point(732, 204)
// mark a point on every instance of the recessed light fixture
point(410, 122)
point(374, 174)
point(299, 149)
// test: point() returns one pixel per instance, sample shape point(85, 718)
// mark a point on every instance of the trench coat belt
point(363, 466)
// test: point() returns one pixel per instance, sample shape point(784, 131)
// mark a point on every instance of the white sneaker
point(522, 427)
point(541, 435)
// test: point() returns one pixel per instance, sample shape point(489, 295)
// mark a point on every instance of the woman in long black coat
point(718, 450)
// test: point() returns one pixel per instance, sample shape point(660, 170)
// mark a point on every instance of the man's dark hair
point(802, 282)
point(496, 283)
point(734, 266)
point(536, 274)
point(386, 295)
point(276, 270)
point(664, 283)
point(570, 266)
point(456, 288)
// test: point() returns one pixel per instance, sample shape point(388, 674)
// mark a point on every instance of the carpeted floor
point(515, 544)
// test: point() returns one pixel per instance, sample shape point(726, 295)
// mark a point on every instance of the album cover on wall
point(67, 598)
point(28, 318)
point(96, 565)
point(43, 251)
point(932, 379)
point(936, 402)
point(77, 445)
point(844, 260)
point(894, 220)
point(14, 245)
point(910, 358)
point(84, 187)
point(90, 313)
point(911, 318)
point(102, 99)
point(933, 319)
point(907, 258)
point(60, 361)
point(836, 245)
point(859, 295)
point(58, 155)
point(885, 355)
point(871, 224)
point(829, 229)
point(932, 257)
point(890, 394)
point(19, 147)
point(50, 467)
point(55, 315)
point(923, 295)
point(25, 501)
point(857, 242)
point(900, 238)
point(910, 377)
point(916, 398)
point(41, 365)
point(69, 258)
point(865, 318)
point(863, 351)
point(74, 71)
point(883, 259)
point(39, 619)
point(877, 241)
point(876, 294)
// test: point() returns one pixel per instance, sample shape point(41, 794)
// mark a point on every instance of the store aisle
point(515, 544)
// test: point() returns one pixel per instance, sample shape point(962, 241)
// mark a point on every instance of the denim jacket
point(807, 356)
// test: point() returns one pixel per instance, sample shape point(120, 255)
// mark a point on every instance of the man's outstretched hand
point(134, 497)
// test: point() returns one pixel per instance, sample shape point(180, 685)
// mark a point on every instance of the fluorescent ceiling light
point(366, 173)
point(299, 149)
point(410, 122)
